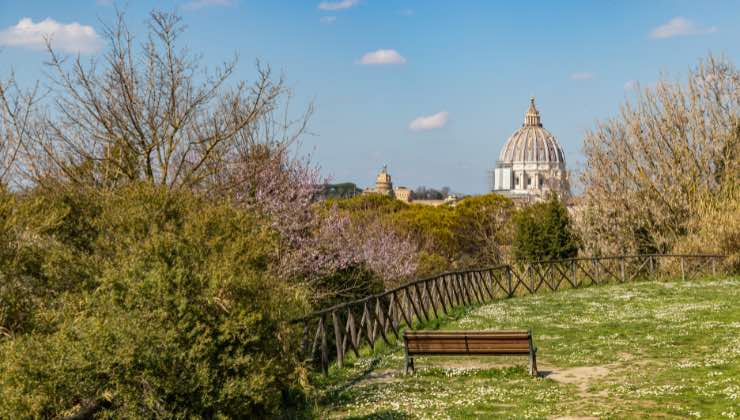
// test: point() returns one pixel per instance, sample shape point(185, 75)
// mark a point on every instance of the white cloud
point(382, 57)
point(631, 85)
point(582, 76)
point(71, 37)
point(429, 122)
point(199, 4)
point(328, 19)
point(338, 5)
point(680, 26)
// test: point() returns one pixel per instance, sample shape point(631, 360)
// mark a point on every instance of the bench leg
point(533, 362)
point(408, 365)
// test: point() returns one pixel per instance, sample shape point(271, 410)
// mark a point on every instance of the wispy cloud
point(200, 4)
point(382, 57)
point(406, 12)
point(338, 5)
point(328, 19)
point(429, 122)
point(631, 85)
point(69, 37)
point(680, 26)
point(584, 75)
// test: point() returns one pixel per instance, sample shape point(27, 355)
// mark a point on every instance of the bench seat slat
point(470, 340)
point(437, 352)
point(422, 349)
point(468, 333)
point(469, 345)
point(471, 336)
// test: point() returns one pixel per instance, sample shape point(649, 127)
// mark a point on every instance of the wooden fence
point(348, 326)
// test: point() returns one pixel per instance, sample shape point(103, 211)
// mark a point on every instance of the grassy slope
point(665, 349)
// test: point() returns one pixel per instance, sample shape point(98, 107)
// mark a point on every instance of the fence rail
point(348, 326)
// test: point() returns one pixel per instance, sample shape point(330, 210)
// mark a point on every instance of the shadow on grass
point(336, 394)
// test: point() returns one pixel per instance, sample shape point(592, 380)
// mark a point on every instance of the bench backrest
point(467, 342)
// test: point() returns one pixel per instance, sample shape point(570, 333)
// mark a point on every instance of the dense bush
point(483, 229)
point(543, 232)
point(171, 309)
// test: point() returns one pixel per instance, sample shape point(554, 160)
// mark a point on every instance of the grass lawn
point(662, 349)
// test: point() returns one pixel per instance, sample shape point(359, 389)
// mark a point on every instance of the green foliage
point(543, 231)
point(431, 227)
point(368, 204)
point(483, 228)
point(342, 190)
point(161, 301)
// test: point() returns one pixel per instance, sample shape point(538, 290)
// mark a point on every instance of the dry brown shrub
point(662, 177)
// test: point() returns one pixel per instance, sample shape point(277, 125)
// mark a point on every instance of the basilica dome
point(531, 142)
point(531, 164)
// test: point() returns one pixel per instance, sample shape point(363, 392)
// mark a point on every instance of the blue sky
point(373, 67)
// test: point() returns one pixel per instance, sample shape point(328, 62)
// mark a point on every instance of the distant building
point(383, 185)
point(404, 194)
point(531, 163)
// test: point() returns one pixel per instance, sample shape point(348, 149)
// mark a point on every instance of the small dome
point(532, 143)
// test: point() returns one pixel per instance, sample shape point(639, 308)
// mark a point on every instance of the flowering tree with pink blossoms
point(316, 243)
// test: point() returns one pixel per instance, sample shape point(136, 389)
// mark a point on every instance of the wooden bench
point(464, 343)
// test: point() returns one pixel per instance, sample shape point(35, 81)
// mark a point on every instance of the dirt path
point(582, 377)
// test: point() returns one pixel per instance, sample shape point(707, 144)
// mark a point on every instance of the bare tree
point(145, 113)
point(670, 152)
point(16, 122)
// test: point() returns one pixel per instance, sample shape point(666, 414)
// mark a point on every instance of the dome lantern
point(532, 118)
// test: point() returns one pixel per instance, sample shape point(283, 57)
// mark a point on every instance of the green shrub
point(483, 229)
point(368, 204)
point(543, 231)
point(182, 319)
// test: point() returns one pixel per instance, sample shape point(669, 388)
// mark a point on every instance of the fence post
point(508, 278)
point(324, 346)
point(304, 338)
point(575, 274)
point(714, 264)
point(338, 338)
point(683, 272)
point(596, 270)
